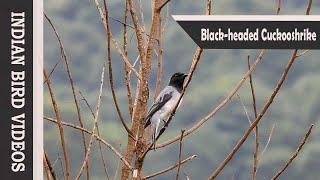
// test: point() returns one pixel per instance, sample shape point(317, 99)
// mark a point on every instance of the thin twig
point(309, 7)
point(127, 25)
point(295, 154)
point(303, 52)
point(165, 22)
point(219, 107)
point(180, 154)
point(244, 109)
point(109, 61)
point(221, 166)
point(61, 164)
point(162, 4)
point(127, 77)
point(256, 130)
point(278, 8)
point(159, 62)
point(64, 57)
point(48, 167)
point(195, 61)
point(254, 104)
point(114, 150)
point(61, 132)
point(123, 23)
point(268, 141)
point(94, 125)
point(170, 168)
point(87, 103)
point(142, 19)
point(186, 175)
point(138, 29)
point(98, 132)
point(124, 57)
point(52, 70)
point(118, 167)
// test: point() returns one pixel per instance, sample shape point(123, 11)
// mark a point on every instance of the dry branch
point(159, 62)
point(118, 167)
point(278, 8)
point(109, 61)
point(180, 154)
point(162, 4)
point(143, 91)
point(60, 128)
point(195, 61)
point(170, 168)
point(244, 109)
point(295, 154)
point(138, 29)
point(303, 52)
point(124, 57)
point(219, 107)
point(221, 166)
point(48, 168)
point(127, 77)
point(64, 57)
point(268, 142)
point(309, 7)
point(94, 126)
point(256, 130)
point(98, 132)
point(113, 149)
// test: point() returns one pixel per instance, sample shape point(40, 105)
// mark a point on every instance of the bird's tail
point(154, 136)
point(154, 140)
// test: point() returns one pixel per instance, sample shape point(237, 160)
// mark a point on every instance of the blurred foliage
point(294, 109)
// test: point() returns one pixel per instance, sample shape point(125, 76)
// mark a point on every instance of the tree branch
point(115, 43)
point(295, 154)
point(114, 150)
point(221, 166)
point(61, 132)
point(127, 77)
point(195, 61)
point(109, 61)
point(219, 107)
point(64, 57)
point(48, 168)
point(180, 153)
point(162, 4)
point(98, 131)
point(309, 7)
point(170, 168)
point(159, 62)
point(256, 130)
point(94, 125)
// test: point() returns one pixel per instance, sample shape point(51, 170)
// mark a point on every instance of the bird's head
point(177, 80)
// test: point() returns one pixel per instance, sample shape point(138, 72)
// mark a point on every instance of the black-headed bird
point(164, 104)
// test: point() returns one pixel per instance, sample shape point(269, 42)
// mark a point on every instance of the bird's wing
point(164, 96)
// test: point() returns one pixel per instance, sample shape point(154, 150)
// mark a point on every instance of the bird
point(164, 104)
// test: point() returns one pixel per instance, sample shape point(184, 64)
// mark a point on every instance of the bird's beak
point(185, 75)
